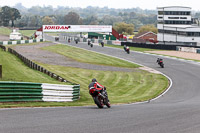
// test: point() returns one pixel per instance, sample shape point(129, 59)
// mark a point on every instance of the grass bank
point(88, 56)
point(15, 70)
point(122, 87)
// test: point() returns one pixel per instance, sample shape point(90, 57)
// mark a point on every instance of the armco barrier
point(25, 91)
point(60, 93)
point(20, 92)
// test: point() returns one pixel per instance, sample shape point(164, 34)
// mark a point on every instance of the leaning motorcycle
point(161, 64)
point(102, 44)
point(128, 51)
point(100, 97)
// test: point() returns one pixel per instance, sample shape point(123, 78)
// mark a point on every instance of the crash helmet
point(94, 80)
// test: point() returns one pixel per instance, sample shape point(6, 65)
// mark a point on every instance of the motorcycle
point(128, 50)
point(76, 41)
point(89, 42)
point(91, 45)
point(100, 97)
point(56, 38)
point(102, 44)
point(160, 62)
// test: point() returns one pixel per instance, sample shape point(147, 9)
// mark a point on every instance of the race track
point(178, 111)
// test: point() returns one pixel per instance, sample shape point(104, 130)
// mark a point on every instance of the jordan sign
point(77, 28)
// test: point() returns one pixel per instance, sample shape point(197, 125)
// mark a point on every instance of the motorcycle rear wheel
point(98, 102)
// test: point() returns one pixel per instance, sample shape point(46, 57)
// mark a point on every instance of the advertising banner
point(77, 28)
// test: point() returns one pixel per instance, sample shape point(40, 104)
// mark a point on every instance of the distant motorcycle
point(56, 38)
point(160, 62)
point(127, 49)
point(89, 43)
point(102, 44)
point(76, 41)
point(100, 97)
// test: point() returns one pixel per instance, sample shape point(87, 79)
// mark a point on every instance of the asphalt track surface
point(178, 111)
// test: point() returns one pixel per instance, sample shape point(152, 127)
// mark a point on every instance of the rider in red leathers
point(95, 85)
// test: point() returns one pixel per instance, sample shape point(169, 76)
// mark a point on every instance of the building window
point(175, 13)
point(160, 12)
point(173, 17)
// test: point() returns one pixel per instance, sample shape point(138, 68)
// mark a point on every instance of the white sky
point(144, 4)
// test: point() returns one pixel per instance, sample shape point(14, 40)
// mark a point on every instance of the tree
point(5, 15)
point(146, 28)
point(14, 15)
point(110, 20)
point(93, 19)
point(47, 21)
point(72, 18)
point(8, 14)
point(124, 28)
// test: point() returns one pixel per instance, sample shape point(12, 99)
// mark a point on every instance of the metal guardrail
point(20, 92)
point(26, 91)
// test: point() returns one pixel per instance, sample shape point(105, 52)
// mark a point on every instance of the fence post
point(0, 71)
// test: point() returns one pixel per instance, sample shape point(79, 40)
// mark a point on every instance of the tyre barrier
point(26, 91)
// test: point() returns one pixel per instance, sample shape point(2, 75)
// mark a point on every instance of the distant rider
point(159, 60)
point(124, 47)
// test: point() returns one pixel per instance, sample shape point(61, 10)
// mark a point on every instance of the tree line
point(123, 20)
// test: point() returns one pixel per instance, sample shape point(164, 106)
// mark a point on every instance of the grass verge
point(5, 31)
point(88, 56)
point(15, 70)
point(122, 87)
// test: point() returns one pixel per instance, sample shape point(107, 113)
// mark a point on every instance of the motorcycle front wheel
point(107, 103)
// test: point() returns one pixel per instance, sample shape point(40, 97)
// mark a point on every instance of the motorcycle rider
point(159, 61)
point(124, 47)
point(76, 40)
point(102, 43)
point(100, 88)
point(96, 85)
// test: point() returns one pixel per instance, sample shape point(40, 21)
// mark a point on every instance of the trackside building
point(175, 24)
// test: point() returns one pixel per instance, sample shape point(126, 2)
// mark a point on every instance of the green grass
point(88, 56)
point(5, 31)
point(122, 87)
point(15, 70)
point(28, 33)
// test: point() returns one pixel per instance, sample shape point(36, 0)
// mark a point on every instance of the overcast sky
point(144, 4)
